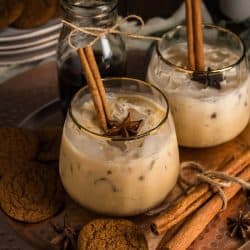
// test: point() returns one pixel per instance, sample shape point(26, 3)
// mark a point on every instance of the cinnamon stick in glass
point(96, 73)
point(198, 35)
point(190, 35)
point(87, 66)
point(195, 198)
point(199, 220)
point(195, 35)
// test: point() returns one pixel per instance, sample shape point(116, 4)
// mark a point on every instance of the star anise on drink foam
point(125, 129)
point(66, 237)
point(239, 226)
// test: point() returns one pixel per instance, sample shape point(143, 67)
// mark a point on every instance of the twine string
point(216, 179)
point(97, 32)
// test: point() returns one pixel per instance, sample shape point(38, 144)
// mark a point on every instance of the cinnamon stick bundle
point(197, 196)
point(95, 84)
point(199, 220)
point(195, 35)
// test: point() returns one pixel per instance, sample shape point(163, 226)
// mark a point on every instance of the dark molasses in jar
point(109, 49)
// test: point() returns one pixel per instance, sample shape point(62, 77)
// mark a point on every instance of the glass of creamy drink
point(216, 110)
point(115, 175)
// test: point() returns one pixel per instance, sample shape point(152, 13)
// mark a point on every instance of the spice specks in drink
point(151, 165)
point(141, 178)
point(109, 172)
point(109, 182)
point(148, 111)
point(245, 104)
point(213, 116)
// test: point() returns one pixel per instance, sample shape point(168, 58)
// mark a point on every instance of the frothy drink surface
point(139, 108)
point(119, 177)
point(204, 116)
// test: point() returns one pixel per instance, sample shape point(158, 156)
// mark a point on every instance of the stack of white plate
point(23, 46)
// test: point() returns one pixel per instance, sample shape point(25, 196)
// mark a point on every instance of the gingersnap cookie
point(10, 10)
point(32, 194)
point(111, 234)
point(36, 13)
point(21, 144)
point(50, 141)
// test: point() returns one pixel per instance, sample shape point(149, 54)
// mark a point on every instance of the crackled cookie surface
point(31, 194)
point(111, 234)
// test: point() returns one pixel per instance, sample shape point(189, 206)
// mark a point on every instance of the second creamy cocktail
point(204, 115)
point(120, 176)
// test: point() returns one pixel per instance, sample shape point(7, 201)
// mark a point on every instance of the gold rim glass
point(212, 35)
point(124, 85)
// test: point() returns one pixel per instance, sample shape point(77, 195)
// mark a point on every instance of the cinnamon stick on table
point(199, 220)
point(195, 35)
point(95, 84)
point(198, 196)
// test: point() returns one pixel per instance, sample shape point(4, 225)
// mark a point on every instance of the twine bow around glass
point(97, 32)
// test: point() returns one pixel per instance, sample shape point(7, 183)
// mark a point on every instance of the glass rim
point(211, 26)
point(114, 138)
point(86, 4)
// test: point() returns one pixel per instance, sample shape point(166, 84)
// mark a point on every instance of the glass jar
point(204, 115)
point(115, 175)
point(109, 50)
